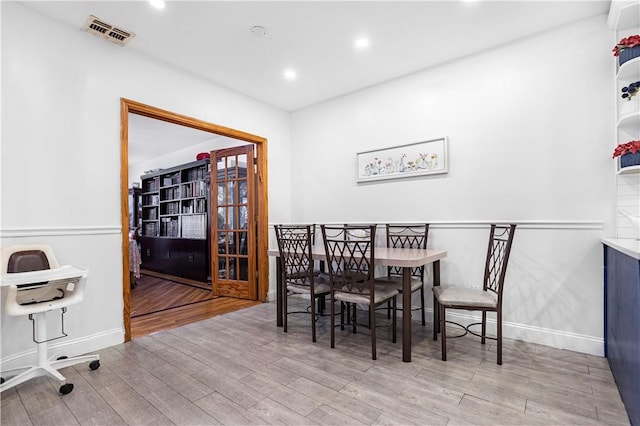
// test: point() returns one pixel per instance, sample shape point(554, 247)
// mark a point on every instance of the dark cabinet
point(149, 253)
point(194, 260)
point(622, 326)
point(182, 258)
point(169, 250)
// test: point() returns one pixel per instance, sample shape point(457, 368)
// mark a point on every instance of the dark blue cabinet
point(622, 326)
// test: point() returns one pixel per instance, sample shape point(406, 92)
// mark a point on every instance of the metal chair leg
point(285, 309)
point(424, 322)
point(333, 319)
point(313, 320)
point(443, 331)
point(484, 327)
point(394, 320)
point(372, 318)
point(499, 336)
point(436, 319)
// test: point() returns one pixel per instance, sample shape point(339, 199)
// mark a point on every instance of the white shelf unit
point(624, 20)
point(628, 170)
point(628, 125)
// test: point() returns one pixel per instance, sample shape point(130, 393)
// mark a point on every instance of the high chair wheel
point(67, 388)
point(94, 365)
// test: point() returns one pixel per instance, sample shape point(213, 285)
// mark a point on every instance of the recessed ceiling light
point(290, 74)
point(362, 43)
point(258, 31)
point(158, 4)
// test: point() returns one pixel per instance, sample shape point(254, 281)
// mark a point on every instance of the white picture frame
point(427, 157)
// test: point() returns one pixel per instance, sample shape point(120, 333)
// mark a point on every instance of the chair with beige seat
point(350, 257)
point(299, 276)
point(488, 299)
point(37, 284)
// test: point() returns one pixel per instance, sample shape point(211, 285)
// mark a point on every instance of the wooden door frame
point(128, 106)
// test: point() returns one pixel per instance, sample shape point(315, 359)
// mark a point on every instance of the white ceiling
point(151, 137)
point(212, 38)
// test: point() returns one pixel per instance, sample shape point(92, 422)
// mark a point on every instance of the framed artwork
point(416, 159)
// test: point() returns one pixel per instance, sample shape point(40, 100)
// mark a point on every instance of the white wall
point(530, 137)
point(61, 91)
point(529, 126)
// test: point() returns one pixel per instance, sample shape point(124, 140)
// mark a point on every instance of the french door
point(233, 233)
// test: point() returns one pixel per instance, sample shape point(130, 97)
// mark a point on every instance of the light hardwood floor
point(240, 369)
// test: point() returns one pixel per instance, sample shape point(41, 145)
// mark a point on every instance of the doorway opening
point(259, 220)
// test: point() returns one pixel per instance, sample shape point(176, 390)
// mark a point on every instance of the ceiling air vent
point(107, 31)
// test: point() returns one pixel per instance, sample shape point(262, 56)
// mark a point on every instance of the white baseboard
point(543, 336)
point(71, 347)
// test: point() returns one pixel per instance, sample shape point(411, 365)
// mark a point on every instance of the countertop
point(628, 246)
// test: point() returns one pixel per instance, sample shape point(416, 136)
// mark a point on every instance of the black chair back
point(407, 236)
point(294, 244)
point(500, 240)
point(350, 257)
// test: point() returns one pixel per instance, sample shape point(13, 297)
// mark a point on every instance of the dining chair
point(489, 299)
point(359, 231)
point(296, 260)
point(350, 255)
point(317, 268)
point(407, 236)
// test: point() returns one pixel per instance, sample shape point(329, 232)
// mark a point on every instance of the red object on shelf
point(203, 155)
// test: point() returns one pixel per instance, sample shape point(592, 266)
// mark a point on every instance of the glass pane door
point(233, 239)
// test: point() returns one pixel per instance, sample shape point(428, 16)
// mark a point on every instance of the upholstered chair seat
point(452, 296)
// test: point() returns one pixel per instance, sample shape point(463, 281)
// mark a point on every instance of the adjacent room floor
point(152, 294)
point(240, 369)
point(158, 304)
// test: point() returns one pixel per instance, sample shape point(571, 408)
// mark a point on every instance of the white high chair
point(35, 284)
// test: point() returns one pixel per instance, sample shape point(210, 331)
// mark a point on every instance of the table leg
point(436, 310)
point(279, 299)
point(406, 314)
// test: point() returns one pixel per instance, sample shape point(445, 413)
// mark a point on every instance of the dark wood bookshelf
point(175, 221)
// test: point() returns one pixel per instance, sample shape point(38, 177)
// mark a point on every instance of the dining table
point(406, 258)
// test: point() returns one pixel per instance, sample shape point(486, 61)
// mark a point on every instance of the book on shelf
point(150, 200)
point(170, 193)
point(187, 207)
point(201, 205)
point(169, 227)
point(170, 208)
point(151, 185)
point(151, 229)
point(197, 173)
point(151, 214)
point(172, 179)
point(194, 189)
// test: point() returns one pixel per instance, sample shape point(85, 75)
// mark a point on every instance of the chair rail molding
point(522, 224)
point(60, 231)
